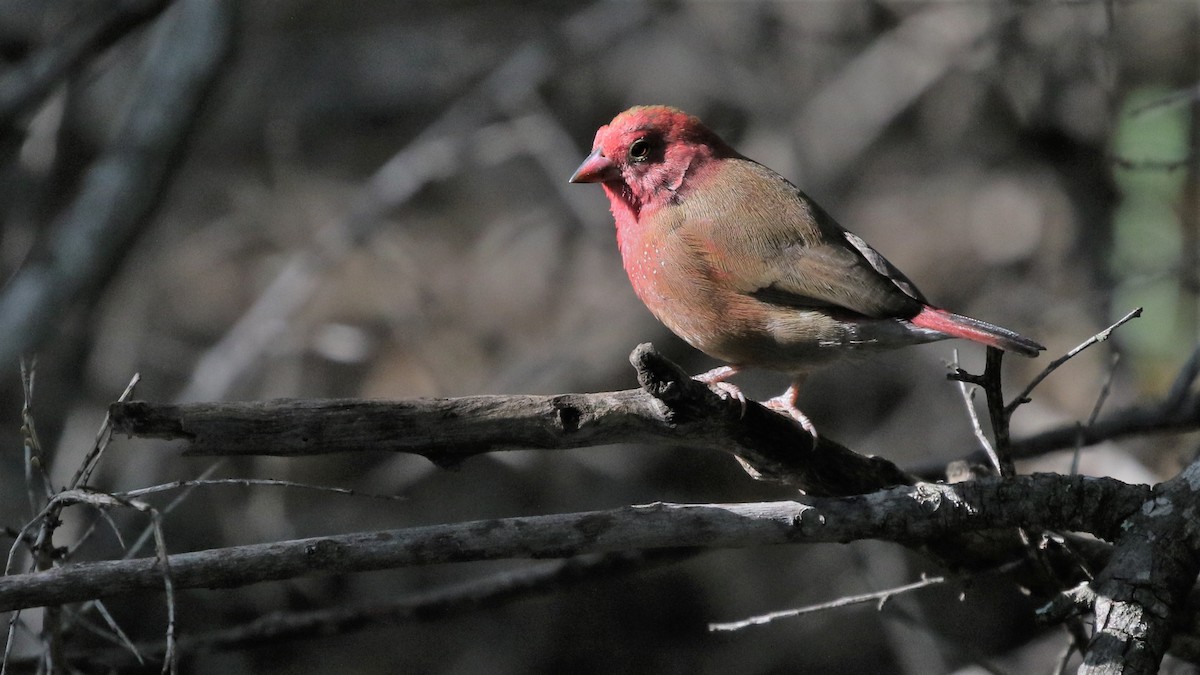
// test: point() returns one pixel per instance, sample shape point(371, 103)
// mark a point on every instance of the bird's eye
point(639, 150)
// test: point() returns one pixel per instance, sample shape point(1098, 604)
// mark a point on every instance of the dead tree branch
point(967, 526)
point(1140, 594)
point(911, 515)
point(672, 409)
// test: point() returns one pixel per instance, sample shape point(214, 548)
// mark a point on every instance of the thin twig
point(34, 464)
point(1103, 335)
point(878, 596)
point(881, 597)
point(968, 396)
point(993, 389)
point(121, 639)
point(84, 473)
point(175, 485)
point(148, 532)
point(103, 501)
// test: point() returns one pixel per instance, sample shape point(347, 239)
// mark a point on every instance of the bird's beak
point(596, 169)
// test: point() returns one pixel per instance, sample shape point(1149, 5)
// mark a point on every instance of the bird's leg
point(786, 403)
point(716, 377)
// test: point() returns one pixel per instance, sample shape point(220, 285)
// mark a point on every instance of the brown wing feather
point(776, 245)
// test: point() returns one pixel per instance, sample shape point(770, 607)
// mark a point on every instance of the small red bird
point(746, 268)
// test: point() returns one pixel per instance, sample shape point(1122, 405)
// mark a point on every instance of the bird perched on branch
point(745, 267)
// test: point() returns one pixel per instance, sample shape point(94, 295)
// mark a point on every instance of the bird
point(744, 266)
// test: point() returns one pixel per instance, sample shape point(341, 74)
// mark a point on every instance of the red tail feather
point(959, 326)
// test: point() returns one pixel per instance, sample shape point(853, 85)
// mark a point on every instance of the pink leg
point(786, 403)
point(716, 377)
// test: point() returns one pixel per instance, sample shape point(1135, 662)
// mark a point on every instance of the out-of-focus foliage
point(1154, 258)
point(375, 204)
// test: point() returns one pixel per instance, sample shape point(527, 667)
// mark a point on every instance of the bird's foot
point(786, 403)
point(715, 379)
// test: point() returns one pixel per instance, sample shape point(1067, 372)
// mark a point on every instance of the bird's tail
point(959, 326)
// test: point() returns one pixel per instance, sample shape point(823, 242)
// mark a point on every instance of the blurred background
point(372, 201)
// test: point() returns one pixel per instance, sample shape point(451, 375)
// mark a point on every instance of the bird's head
point(648, 155)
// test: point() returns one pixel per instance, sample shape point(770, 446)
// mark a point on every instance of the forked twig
point(1103, 335)
point(84, 473)
point(993, 388)
point(968, 395)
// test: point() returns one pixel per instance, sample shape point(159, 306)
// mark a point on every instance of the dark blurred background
point(373, 203)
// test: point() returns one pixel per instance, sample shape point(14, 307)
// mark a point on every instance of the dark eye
point(639, 150)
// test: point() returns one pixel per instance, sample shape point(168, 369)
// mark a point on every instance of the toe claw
point(736, 393)
point(727, 391)
point(715, 379)
point(784, 405)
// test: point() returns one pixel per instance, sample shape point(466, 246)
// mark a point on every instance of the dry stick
point(1153, 418)
point(910, 514)
point(1103, 335)
point(102, 501)
point(42, 546)
point(969, 400)
point(144, 537)
point(1179, 412)
point(990, 383)
point(672, 409)
point(1001, 415)
point(880, 596)
point(118, 195)
point(153, 529)
point(247, 482)
point(121, 639)
point(103, 436)
point(29, 441)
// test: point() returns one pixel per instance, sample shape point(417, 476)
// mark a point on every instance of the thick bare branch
point(910, 514)
point(671, 409)
point(1139, 595)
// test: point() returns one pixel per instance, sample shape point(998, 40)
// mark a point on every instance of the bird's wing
point(783, 249)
